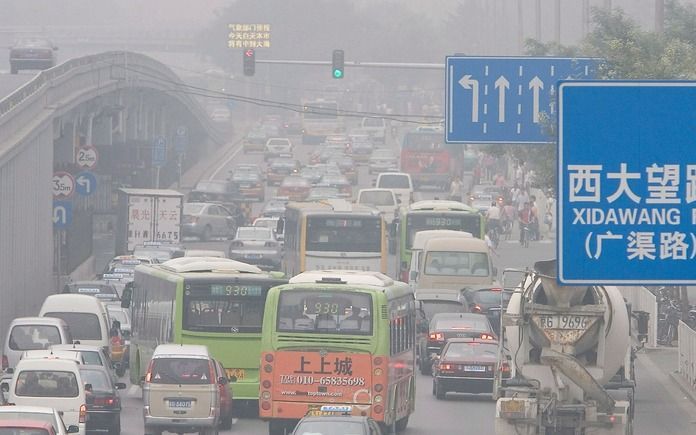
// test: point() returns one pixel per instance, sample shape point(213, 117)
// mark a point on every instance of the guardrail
point(75, 79)
point(642, 299)
point(687, 353)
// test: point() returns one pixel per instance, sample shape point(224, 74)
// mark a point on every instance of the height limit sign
point(627, 183)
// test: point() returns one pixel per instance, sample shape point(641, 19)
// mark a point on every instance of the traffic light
point(249, 62)
point(337, 62)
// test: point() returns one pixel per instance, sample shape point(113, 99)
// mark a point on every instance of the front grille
point(339, 340)
point(383, 312)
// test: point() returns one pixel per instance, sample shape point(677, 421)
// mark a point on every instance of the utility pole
point(557, 32)
point(659, 16)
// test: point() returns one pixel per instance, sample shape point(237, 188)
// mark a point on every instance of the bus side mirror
point(280, 226)
point(392, 229)
point(127, 295)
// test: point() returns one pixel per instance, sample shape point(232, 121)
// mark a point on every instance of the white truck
point(147, 215)
point(565, 344)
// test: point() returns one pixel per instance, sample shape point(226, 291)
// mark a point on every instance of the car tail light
point(487, 337)
point(475, 308)
point(505, 368)
point(148, 374)
point(445, 367)
point(266, 384)
point(5, 362)
point(436, 336)
point(106, 401)
point(83, 413)
point(268, 357)
point(378, 409)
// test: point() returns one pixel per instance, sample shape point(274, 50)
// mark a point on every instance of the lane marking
point(225, 163)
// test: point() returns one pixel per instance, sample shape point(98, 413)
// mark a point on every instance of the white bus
point(333, 234)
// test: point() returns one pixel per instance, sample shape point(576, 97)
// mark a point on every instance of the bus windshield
point(317, 110)
point(325, 312)
point(344, 234)
point(224, 307)
point(423, 141)
point(470, 223)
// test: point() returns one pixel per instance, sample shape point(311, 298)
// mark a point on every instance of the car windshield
point(97, 378)
point(470, 350)
point(183, 371)
point(322, 312)
point(246, 176)
point(392, 181)
point(329, 427)
point(193, 208)
point(430, 308)
point(295, 182)
point(210, 186)
point(119, 315)
point(38, 43)
point(283, 164)
point(253, 233)
point(447, 263)
point(46, 383)
point(334, 179)
point(83, 326)
point(491, 297)
point(459, 323)
point(266, 223)
point(376, 197)
point(33, 337)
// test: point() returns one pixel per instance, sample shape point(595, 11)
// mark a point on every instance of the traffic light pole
point(356, 64)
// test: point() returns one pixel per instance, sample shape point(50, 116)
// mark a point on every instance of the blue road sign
point(627, 183)
point(85, 183)
point(506, 99)
point(62, 214)
point(181, 139)
point(159, 151)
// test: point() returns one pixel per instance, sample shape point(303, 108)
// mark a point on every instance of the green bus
point(214, 302)
point(434, 215)
point(338, 337)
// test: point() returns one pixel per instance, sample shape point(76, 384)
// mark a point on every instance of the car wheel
point(206, 233)
point(276, 428)
point(401, 424)
point(425, 367)
point(208, 431)
point(439, 391)
point(115, 428)
point(226, 423)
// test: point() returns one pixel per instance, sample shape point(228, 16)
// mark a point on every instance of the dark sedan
point(486, 301)
point(280, 168)
point(249, 184)
point(467, 365)
point(32, 54)
point(103, 401)
point(446, 326)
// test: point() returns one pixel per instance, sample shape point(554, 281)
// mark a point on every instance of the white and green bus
point(214, 302)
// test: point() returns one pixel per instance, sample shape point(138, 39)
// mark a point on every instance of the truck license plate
point(567, 322)
point(179, 404)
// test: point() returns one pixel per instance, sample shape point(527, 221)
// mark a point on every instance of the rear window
point(46, 383)
point(97, 378)
point(377, 198)
point(394, 182)
point(185, 371)
point(83, 326)
point(464, 324)
point(432, 308)
point(471, 350)
point(193, 208)
point(373, 122)
point(491, 297)
point(33, 337)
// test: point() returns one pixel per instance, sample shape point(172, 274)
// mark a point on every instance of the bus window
point(217, 314)
point(325, 313)
point(457, 263)
point(344, 234)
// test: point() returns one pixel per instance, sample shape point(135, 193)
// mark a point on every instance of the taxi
point(336, 420)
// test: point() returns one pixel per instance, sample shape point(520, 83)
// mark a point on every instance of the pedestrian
point(522, 198)
point(455, 193)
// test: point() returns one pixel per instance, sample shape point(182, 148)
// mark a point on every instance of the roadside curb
point(683, 386)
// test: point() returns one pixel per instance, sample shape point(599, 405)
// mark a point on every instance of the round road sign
point(63, 184)
point(87, 157)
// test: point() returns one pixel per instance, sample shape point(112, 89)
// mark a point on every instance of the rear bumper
point(22, 63)
point(102, 419)
point(460, 384)
point(179, 425)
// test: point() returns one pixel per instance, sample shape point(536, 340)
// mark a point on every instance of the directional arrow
point(468, 83)
point(535, 85)
point(502, 84)
point(60, 214)
point(84, 182)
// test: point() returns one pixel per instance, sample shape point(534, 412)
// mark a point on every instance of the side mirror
point(127, 295)
point(120, 386)
point(88, 387)
point(73, 429)
point(222, 380)
point(413, 275)
point(9, 370)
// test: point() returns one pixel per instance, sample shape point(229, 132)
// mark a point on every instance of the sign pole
point(157, 178)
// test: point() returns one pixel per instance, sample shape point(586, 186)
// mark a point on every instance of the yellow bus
point(333, 234)
point(319, 119)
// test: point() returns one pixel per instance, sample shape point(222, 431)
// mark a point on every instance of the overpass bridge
point(117, 103)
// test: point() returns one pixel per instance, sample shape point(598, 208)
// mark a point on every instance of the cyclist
point(525, 216)
point(493, 219)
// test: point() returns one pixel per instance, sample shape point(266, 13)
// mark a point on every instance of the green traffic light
point(338, 74)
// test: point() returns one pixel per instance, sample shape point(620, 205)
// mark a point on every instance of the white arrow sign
point(535, 85)
point(502, 84)
point(60, 214)
point(84, 182)
point(468, 83)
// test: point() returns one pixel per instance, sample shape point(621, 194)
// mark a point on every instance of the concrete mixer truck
point(565, 344)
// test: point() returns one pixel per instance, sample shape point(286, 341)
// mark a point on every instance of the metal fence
point(687, 353)
point(642, 299)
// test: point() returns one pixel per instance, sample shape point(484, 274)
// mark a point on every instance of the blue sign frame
point(506, 99)
point(627, 182)
point(159, 151)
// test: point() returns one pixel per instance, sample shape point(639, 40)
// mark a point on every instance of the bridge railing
point(642, 299)
point(687, 353)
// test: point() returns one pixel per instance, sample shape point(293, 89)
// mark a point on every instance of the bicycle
point(494, 236)
point(524, 235)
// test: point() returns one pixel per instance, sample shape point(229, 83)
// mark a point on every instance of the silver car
point(258, 246)
point(206, 220)
point(383, 160)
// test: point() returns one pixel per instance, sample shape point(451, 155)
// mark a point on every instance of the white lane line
point(224, 163)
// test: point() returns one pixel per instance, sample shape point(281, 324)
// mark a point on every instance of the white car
point(400, 183)
point(383, 200)
point(277, 147)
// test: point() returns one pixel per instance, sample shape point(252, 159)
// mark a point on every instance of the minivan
point(400, 183)
point(32, 333)
point(383, 200)
point(455, 263)
point(51, 380)
point(85, 315)
point(375, 127)
point(181, 390)
point(418, 245)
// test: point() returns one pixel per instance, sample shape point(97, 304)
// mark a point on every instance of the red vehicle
point(225, 398)
point(295, 188)
point(26, 426)
point(425, 157)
